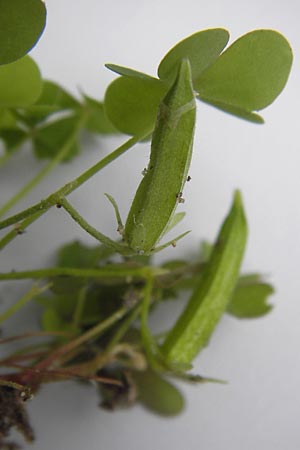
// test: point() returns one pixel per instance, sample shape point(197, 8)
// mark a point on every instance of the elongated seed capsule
point(171, 150)
point(209, 299)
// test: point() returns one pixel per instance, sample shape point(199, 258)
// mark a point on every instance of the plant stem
point(123, 327)
point(31, 334)
point(109, 271)
point(33, 292)
point(19, 229)
point(65, 190)
point(147, 339)
point(79, 308)
point(121, 248)
point(45, 170)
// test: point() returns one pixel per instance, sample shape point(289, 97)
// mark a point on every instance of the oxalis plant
point(96, 300)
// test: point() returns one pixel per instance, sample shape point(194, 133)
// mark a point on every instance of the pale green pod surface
point(210, 298)
point(171, 149)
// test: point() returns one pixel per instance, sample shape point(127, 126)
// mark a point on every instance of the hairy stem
point(19, 229)
point(118, 247)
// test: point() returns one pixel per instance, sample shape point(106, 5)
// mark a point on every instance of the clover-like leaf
point(250, 299)
point(20, 83)
point(131, 103)
point(201, 48)
point(249, 75)
point(21, 25)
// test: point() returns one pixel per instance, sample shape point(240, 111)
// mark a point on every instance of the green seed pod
point(210, 298)
point(160, 190)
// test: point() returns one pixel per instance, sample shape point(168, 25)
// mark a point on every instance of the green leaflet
point(210, 298)
point(161, 188)
point(175, 220)
point(20, 83)
point(250, 74)
point(235, 111)
point(131, 103)
point(201, 49)
point(21, 25)
point(158, 394)
point(250, 298)
point(127, 72)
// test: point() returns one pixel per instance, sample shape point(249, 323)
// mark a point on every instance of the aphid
point(189, 178)
point(212, 294)
point(180, 198)
point(120, 230)
point(171, 150)
point(18, 228)
point(26, 394)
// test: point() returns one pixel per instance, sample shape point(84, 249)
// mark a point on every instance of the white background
point(260, 407)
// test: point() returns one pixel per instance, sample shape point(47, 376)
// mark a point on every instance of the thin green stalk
point(109, 271)
point(33, 292)
point(19, 229)
point(124, 327)
point(121, 248)
point(147, 338)
point(79, 308)
point(45, 170)
point(65, 190)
